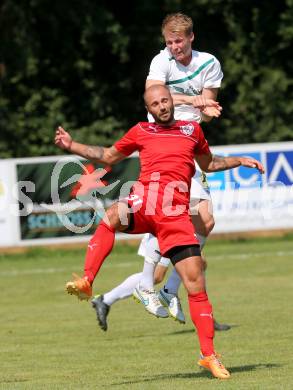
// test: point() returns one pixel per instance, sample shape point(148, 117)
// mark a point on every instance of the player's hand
point(252, 163)
point(213, 112)
point(208, 107)
point(63, 139)
point(202, 102)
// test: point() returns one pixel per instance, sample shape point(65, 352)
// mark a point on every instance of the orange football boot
point(214, 365)
point(80, 287)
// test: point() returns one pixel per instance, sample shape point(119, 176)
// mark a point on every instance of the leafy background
point(84, 64)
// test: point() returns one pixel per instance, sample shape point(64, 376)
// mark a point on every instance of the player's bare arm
point(198, 101)
point(206, 102)
point(213, 163)
point(98, 154)
point(208, 113)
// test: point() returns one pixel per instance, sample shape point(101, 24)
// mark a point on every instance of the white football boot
point(172, 303)
point(149, 298)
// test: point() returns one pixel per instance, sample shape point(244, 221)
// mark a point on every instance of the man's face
point(159, 103)
point(179, 45)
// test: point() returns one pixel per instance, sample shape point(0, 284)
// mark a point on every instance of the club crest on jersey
point(187, 129)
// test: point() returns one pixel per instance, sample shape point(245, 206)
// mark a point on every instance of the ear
point(192, 37)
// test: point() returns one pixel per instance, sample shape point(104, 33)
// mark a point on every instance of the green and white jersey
point(203, 71)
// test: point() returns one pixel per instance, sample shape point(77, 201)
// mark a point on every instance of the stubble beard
point(166, 122)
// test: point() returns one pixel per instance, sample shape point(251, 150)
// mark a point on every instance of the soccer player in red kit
point(159, 204)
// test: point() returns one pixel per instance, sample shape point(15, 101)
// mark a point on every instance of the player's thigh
point(190, 267)
point(117, 216)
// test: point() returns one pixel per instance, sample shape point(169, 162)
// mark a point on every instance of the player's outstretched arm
point(213, 163)
point(97, 154)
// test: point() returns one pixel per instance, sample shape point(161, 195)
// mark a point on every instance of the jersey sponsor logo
point(190, 91)
point(187, 129)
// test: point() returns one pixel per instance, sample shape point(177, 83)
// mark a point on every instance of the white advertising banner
point(244, 200)
point(9, 221)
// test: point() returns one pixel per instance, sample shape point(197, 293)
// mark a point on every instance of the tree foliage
point(83, 64)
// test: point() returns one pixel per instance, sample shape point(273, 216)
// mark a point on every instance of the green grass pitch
point(49, 340)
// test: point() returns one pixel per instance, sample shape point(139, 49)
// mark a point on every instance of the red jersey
point(168, 151)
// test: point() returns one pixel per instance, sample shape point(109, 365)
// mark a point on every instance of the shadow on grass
point(154, 378)
point(254, 367)
point(194, 375)
point(192, 330)
point(177, 332)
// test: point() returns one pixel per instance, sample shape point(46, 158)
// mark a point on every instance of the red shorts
point(150, 216)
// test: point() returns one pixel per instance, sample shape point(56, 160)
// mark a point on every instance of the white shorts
point(199, 186)
point(149, 247)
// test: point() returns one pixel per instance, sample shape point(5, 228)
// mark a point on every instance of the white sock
point(147, 276)
point(124, 290)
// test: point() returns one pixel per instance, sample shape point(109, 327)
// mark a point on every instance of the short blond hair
point(177, 22)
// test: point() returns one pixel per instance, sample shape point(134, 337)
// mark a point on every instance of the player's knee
point(112, 216)
point(151, 260)
point(160, 273)
point(158, 278)
point(192, 276)
point(194, 282)
point(115, 215)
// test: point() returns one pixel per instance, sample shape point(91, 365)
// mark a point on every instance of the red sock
point(201, 313)
point(99, 247)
